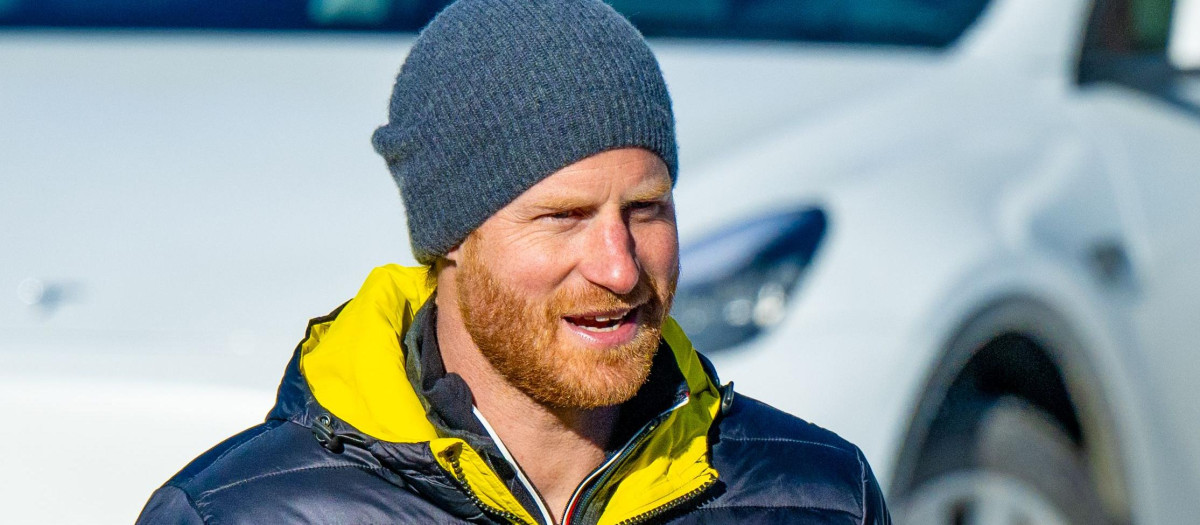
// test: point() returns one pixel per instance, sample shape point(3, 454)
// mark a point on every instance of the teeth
point(605, 329)
point(613, 322)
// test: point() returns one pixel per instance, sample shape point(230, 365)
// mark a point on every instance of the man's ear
point(450, 260)
point(452, 256)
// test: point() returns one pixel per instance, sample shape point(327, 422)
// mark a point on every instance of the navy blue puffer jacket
point(730, 459)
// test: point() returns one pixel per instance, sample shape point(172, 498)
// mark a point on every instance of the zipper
point(598, 477)
point(582, 497)
point(671, 505)
point(461, 480)
point(533, 493)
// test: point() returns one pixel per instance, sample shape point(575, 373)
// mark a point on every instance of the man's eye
point(562, 215)
point(646, 207)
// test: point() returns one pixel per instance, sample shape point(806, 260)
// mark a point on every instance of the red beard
point(521, 337)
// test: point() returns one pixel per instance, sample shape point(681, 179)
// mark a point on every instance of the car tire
point(1002, 461)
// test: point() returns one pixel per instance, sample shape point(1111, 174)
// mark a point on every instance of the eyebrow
point(656, 192)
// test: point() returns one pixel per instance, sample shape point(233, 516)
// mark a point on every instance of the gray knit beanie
point(495, 95)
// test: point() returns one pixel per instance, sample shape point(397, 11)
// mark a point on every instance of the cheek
point(534, 267)
point(658, 250)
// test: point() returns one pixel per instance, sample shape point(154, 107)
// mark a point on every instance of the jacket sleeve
point(875, 510)
point(169, 505)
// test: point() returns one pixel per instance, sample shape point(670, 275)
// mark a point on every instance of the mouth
point(604, 329)
point(602, 322)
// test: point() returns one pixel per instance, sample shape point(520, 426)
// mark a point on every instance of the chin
point(589, 377)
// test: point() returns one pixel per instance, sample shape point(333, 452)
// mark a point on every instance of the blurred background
point(963, 234)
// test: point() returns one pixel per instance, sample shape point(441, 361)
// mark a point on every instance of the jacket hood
point(354, 364)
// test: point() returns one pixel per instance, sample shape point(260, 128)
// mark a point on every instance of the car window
point(1128, 27)
point(932, 23)
point(1127, 43)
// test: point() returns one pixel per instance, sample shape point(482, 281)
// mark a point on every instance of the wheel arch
point(1021, 346)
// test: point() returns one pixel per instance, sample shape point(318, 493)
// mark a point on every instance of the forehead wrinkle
point(593, 181)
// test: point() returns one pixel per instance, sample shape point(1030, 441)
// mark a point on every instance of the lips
point(602, 322)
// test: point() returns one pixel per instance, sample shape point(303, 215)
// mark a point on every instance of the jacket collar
point(354, 363)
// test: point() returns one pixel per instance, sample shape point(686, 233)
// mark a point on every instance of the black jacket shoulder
point(777, 468)
point(277, 472)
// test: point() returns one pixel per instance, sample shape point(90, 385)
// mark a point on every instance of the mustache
point(594, 298)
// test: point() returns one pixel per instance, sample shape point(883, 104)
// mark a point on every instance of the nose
point(609, 259)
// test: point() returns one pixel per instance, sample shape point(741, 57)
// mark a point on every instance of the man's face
point(564, 290)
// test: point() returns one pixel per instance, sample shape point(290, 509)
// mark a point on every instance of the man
point(529, 372)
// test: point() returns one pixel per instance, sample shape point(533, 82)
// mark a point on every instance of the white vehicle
point(984, 275)
point(969, 251)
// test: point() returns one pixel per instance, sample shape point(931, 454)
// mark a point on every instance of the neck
point(555, 447)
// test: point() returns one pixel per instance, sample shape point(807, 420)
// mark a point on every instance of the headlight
point(737, 283)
